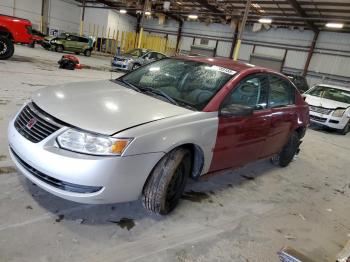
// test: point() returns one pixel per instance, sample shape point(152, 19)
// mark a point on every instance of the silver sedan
point(135, 58)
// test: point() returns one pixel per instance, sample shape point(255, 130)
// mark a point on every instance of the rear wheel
point(6, 48)
point(288, 152)
point(346, 129)
point(87, 52)
point(59, 48)
point(167, 182)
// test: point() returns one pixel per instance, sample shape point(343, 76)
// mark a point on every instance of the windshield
point(187, 82)
point(335, 94)
point(136, 52)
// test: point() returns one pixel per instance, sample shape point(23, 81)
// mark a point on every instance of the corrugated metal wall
point(330, 62)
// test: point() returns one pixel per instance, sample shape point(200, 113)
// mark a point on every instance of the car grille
point(317, 118)
point(34, 124)
point(53, 181)
point(321, 110)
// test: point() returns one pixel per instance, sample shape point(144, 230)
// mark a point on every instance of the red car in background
point(13, 30)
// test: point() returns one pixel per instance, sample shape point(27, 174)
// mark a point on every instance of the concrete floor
point(243, 215)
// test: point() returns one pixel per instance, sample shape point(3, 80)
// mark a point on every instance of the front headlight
point(93, 144)
point(339, 112)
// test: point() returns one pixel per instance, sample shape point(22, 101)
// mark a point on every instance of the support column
point(82, 19)
point(178, 39)
point(234, 41)
point(241, 30)
point(141, 23)
point(44, 16)
point(311, 52)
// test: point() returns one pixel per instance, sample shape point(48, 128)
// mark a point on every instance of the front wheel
point(167, 182)
point(6, 48)
point(59, 48)
point(87, 52)
point(288, 151)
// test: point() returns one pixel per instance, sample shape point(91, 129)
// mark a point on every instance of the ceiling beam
point(302, 13)
point(210, 7)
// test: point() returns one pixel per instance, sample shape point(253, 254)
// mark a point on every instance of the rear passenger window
point(250, 92)
point(282, 93)
point(83, 40)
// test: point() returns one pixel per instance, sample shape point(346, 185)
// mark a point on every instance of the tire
point(135, 66)
point(6, 48)
point(87, 52)
point(32, 45)
point(59, 48)
point(288, 151)
point(166, 184)
point(346, 129)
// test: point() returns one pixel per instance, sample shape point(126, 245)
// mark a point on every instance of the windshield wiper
point(158, 92)
point(129, 85)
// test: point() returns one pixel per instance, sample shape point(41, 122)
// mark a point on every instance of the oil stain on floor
point(7, 170)
point(125, 222)
point(195, 196)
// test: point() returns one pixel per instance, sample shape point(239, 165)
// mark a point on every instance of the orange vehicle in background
point(13, 30)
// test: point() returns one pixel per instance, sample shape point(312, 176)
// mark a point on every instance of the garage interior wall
point(108, 20)
point(65, 15)
point(329, 63)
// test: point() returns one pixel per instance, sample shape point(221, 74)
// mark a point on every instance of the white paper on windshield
point(223, 69)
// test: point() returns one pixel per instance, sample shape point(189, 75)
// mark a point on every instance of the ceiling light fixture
point(265, 20)
point(147, 13)
point(193, 16)
point(122, 11)
point(334, 25)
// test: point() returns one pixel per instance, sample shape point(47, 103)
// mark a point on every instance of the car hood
point(49, 38)
point(103, 107)
point(323, 102)
point(126, 57)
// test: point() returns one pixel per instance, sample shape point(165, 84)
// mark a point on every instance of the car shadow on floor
point(324, 130)
point(195, 191)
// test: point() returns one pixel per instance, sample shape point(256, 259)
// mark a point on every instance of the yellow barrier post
point(116, 42)
point(107, 40)
point(102, 37)
point(140, 38)
point(97, 28)
point(122, 42)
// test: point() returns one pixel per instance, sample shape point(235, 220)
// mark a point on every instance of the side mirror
point(236, 110)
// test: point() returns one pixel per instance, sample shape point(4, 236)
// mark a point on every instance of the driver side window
point(251, 92)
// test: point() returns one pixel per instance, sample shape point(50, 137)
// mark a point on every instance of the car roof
point(14, 17)
point(223, 62)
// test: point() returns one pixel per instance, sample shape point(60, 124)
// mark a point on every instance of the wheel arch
point(5, 32)
point(197, 156)
point(301, 130)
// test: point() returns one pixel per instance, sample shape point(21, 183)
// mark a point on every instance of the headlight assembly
point(339, 112)
point(93, 144)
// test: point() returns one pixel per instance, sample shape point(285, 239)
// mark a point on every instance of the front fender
point(197, 128)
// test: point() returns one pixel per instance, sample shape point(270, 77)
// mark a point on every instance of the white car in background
point(329, 106)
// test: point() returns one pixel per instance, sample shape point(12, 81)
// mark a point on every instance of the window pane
point(281, 92)
point(251, 92)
